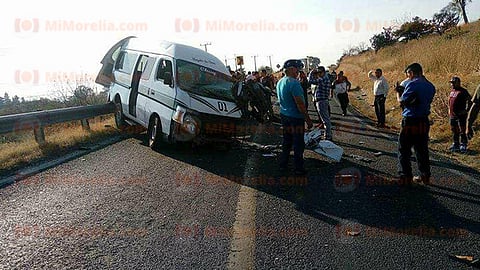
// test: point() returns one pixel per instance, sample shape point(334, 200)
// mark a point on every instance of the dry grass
point(454, 53)
point(60, 139)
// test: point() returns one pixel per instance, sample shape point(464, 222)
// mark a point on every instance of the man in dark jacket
point(473, 112)
point(458, 104)
point(416, 101)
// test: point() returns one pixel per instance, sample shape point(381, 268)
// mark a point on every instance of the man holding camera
point(473, 112)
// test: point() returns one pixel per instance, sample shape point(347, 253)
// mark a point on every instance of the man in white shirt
point(380, 91)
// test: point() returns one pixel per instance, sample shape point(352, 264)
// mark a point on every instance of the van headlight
point(188, 124)
point(179, 114)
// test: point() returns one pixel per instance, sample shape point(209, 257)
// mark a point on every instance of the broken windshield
point(204, 81)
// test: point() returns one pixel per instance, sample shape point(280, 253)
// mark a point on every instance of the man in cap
point(458, 104)
point(473, 112)
point(293, 116)
point(416, 101)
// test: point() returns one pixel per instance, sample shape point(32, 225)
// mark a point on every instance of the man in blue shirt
point(415, 100)
point(293, 116)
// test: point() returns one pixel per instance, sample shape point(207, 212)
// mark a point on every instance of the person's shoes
point(380, 125)
point(344, 114)
point(422, 179)
point(300, 172)
point(454, 148)
point(463, 148)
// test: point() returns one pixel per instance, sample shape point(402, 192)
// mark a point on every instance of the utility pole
point(255, 61)
point(270, 60)
point(205, 45)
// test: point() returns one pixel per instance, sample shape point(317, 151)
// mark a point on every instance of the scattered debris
point(270, 155)
point(360, 158)
point(378, 154)
point(353, 233)
point(470, 260)
point(271, 147)
point(360, 142)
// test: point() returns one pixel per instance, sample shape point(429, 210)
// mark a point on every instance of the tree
point(358, 49)
point(15, 100)
point(82, 95)
point(414, 29)
point(383, 39)
point(446, 18)
point(6, 98)
point(461, 4)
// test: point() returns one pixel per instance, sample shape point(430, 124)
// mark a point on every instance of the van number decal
point(222, 106)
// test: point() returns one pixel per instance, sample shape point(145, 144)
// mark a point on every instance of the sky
point(47, 45)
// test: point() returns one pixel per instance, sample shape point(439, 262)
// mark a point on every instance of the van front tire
point(119, 117)
point(154, 133)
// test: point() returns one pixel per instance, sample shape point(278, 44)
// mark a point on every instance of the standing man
point(322, 95)
point(302, 78)
point(341, 86)
point(415, 100)
point(473, 112)
point(458, 104)
point(266, 79)
point(293, 116)
point(380, 91)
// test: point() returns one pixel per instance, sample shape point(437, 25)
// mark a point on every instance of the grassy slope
point(60, 139)
point(454, 53)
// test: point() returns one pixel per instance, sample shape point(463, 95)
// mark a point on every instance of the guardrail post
point(85, 125)
point(39, 133)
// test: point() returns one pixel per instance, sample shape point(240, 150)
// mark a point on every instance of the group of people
point(415, 95)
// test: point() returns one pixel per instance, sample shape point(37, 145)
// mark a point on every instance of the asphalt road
point(128, 207)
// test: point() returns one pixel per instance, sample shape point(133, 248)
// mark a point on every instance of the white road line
point(242, 247)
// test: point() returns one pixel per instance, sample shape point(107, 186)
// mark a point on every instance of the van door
point(163, 92)
point(105, 75)
point(137, 74)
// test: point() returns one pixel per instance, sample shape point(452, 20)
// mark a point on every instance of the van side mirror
point(168, 78)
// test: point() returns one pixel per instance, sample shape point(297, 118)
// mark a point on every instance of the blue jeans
point(324, 112)
point(293, 136)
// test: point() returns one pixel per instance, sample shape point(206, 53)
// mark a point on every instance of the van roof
point(178, 51)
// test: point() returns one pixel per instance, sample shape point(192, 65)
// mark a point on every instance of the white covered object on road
point(314, 141)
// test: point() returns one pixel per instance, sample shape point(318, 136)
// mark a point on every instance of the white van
point(177, 92)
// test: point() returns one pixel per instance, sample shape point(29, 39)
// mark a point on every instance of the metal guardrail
point(38, 120)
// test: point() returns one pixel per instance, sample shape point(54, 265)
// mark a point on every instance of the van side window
point(125, 62)
point(163, 67)
point(148, 69)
